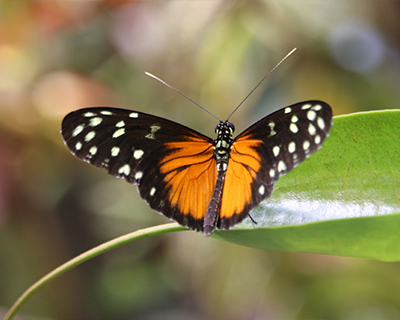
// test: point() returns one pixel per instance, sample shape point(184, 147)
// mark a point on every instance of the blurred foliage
point(57, 56)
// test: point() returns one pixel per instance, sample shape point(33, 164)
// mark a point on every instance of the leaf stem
point(136, 235)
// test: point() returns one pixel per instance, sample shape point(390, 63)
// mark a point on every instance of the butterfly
point(200, 182)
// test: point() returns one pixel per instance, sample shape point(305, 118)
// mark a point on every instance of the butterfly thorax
point(223, 144)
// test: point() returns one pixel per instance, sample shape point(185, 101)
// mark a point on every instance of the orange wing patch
point(243, 166)
point(190, 174)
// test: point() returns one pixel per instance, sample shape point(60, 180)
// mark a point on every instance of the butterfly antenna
point(284, 58)
point(169, 86)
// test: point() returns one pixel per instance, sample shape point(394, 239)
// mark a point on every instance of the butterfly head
point(224, 128)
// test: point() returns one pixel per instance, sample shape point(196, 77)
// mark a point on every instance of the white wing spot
point(133, 115)
point(306, 145)
point(153, 129)
point(273, 132)
point(317, 139)
point(138, 175)
point(288, 110)
point(276, 150)
point(119, 133)
point(78, 146)
point(105, 162)
point(317, 107)
point(321, 123)
point(95, 121)
point(93, 150)
point(106, 113)
point(120, 124)
point(125, 169)
point(306, 106)
point(115, 151)
point(281, 166)
point(292, 147)
point(89, 114)
point(261, 190)
point(137, 154)
point(311, 129)
point(78, 130)
point(311, 115)
point(152, 191)
point(271, 173)
point(295, 119)
point(293, 127)
point(90, 136)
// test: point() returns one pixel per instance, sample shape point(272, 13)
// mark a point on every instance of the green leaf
point(344, 200)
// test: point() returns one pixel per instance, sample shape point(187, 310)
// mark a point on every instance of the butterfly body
point(199, 182)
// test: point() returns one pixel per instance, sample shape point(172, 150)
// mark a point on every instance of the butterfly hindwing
point(267, 150)
point(156, 154)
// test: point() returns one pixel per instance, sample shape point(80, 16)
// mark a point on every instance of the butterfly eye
point(218, 126)
point(231, 127)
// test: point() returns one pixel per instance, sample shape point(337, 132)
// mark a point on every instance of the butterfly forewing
point(267, 150)
point(162, 157)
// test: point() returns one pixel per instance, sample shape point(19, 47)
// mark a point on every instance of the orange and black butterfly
point(201, 183)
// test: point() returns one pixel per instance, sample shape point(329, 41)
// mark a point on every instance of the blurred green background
point(58, 56)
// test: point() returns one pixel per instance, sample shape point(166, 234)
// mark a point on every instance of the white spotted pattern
point(321, 123)
point(317, 139)
point(78, 146)
point(317, 107)
point(133, 115)
point(125, 169)
point(93, 150)
point(273, 132)
point(306, 106)
point(90, 136)
point(78, 130)
point(288, 110)
point(311, 129)
point(261, 190)
point(281, 166)
point(293, 127)
point(120, 124)
point(152, 191)
point(95, 121)
point(276, 150)
point(295, 119)
point(138, 175)
point(118, 133)
point(306, 145)
point(311, 115)
point(292, 147)
point(106, 113)
point(137, 154)
point(89, 114)
point(115, 151)
point(153, 129)
point(272, 173)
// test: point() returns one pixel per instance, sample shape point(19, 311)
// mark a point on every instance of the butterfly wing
point(267, 150)
point(172, 165)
